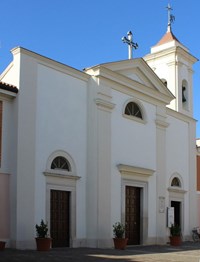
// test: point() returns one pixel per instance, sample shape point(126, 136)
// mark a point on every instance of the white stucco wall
point(130, 138)
point(177, 149)
point(50, 114)
point(181, 162)
point(133, 144)
point(61, 125)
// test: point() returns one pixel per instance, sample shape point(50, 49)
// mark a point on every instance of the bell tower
point(173, 63)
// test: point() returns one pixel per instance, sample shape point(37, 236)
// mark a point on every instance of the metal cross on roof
point(171, 18)
point(131, 44)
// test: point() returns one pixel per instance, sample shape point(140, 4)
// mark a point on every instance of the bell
point(183, 94)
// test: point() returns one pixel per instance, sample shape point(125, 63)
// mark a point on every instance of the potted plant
point(175, 235)
point(2, 245)
point(120, 241)
point(43, 242)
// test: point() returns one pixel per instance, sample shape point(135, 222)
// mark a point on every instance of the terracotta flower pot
point(2, 245)
point(120, 243)
point(175, 240)
point(43, 244)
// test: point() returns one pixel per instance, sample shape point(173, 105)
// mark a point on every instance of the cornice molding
point(161, 123)
point(102, 104)
point(60, 174)
point(48, 62)
point(133, 170)
point(176, 190)
point(179, 115)
point(121, 82)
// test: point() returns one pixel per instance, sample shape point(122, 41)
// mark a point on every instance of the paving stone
point(187, 252)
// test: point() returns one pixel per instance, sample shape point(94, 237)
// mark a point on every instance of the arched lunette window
point(61, 163)
point(132, 109)
point(176, 182)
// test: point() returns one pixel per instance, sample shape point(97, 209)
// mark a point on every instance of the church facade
point(85, 149)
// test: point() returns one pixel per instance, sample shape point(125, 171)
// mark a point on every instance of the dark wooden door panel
point(132, 215)
point(60, 218)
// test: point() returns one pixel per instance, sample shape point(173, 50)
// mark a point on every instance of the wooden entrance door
point(132, 215)
point(59, 218)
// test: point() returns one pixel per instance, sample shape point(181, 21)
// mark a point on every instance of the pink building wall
point(198, 173)
point(4, 207)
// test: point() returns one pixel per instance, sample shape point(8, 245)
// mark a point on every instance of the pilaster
point(99, 167)
point(161, 125)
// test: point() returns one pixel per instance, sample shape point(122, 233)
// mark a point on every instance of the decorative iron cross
point(129, 40)
point(171, 18)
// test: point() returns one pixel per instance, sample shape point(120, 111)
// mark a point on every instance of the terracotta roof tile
point(8, 87)
point(168, 37)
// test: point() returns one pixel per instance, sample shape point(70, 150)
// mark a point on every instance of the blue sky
point(85, 33)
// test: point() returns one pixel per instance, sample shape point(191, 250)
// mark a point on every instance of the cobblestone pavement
point(187, 252)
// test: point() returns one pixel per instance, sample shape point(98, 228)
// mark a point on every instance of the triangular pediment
point(138, 74)
point(133, 72)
